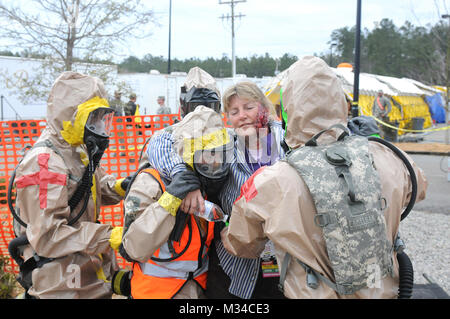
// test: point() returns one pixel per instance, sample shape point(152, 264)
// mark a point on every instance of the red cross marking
point(42, 178)
point(248, 190)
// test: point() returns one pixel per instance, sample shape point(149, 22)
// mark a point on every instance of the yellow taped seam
point(74, 133)
point(207, 141)
point(100, 273)
point(170, 203)
point(117, 280)
point(118, 188)
point(115, 238)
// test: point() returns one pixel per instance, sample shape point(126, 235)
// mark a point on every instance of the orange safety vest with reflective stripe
point(379, 104)
point(163, 279)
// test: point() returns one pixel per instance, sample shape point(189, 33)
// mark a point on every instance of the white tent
point(402, 87)
point(368, 84)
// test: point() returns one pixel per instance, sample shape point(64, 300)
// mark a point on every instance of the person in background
point(131, 108)
point(380, 109)
point(116, 104)
point(162, 109)
point(325, 201)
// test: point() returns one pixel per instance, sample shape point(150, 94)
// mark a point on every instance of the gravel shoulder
point(427, 240)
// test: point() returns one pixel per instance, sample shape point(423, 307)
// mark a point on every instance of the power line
point(232, 3)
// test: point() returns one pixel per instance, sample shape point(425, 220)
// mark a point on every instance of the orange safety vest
point(164, 279)
point(379, 103)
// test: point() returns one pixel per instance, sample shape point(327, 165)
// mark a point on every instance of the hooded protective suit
point(160, 151)
point(199, 89)
point(200, 79)
point(276, 204)
point(45, 181)
point(150, 217)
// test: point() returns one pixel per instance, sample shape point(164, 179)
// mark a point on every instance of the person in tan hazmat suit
point(165, 267)
point(284, 202)
point(76, 259)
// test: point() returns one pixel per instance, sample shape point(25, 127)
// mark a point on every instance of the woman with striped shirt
point(258, 138)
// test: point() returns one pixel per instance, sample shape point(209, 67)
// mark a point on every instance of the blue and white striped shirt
point(163, 157)
point(243, 272)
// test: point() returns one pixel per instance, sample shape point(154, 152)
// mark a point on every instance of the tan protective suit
point(200, 79)
point(147, 225)
point(84, 260)
point(277, 205)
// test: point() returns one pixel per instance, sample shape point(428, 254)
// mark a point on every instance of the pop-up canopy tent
point(407, 96)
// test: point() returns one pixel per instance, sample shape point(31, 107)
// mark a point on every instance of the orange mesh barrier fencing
point(120, 159)
point(127, 139)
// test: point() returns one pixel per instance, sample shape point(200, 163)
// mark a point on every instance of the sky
point(297, 27)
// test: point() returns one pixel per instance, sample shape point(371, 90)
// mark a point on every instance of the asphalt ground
point(426, 230)
point(437, 171)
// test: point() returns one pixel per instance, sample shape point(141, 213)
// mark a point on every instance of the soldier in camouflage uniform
point(117, 104)
point(333, 209)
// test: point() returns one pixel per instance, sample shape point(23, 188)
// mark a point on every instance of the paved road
point(438, 193)
point(436, 170)
point(425, 230)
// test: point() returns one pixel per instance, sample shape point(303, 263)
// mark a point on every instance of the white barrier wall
point(149, 86)
point(14, 71)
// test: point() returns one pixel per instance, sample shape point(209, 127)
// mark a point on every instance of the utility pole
point(357, 56)
point(233, 55)
point(447, 76)
point(331, 53)
point(1, 105)
point(170, 35)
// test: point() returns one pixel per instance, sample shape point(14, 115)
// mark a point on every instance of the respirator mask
point(189, 100)
point(212, 167)
point(96, 132)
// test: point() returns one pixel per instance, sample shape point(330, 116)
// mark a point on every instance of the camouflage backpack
point(346, 190)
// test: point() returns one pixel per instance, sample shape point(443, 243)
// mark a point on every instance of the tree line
point(410, 51)
point(254, 66)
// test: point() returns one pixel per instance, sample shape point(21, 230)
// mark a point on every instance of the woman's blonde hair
point(249, 91)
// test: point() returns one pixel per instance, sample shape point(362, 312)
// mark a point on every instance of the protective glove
point(125, 182)
point(182, 183)
point(124, 254)
point(115, 238)
point(120, 282)
point(121, 185)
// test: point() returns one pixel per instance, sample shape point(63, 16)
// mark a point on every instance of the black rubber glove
point(126, 182)
point(124, 254)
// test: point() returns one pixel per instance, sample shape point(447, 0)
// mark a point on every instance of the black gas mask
point(189, 100)
point(212, 167)
point(96, 133)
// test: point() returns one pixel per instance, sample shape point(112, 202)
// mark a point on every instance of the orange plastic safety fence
point(128, 137)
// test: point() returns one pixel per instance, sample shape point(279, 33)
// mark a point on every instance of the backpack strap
point(312, 278)
point(313, 140)
point(156, 176)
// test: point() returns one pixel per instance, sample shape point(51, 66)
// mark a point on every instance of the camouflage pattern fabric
point(346, 190)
